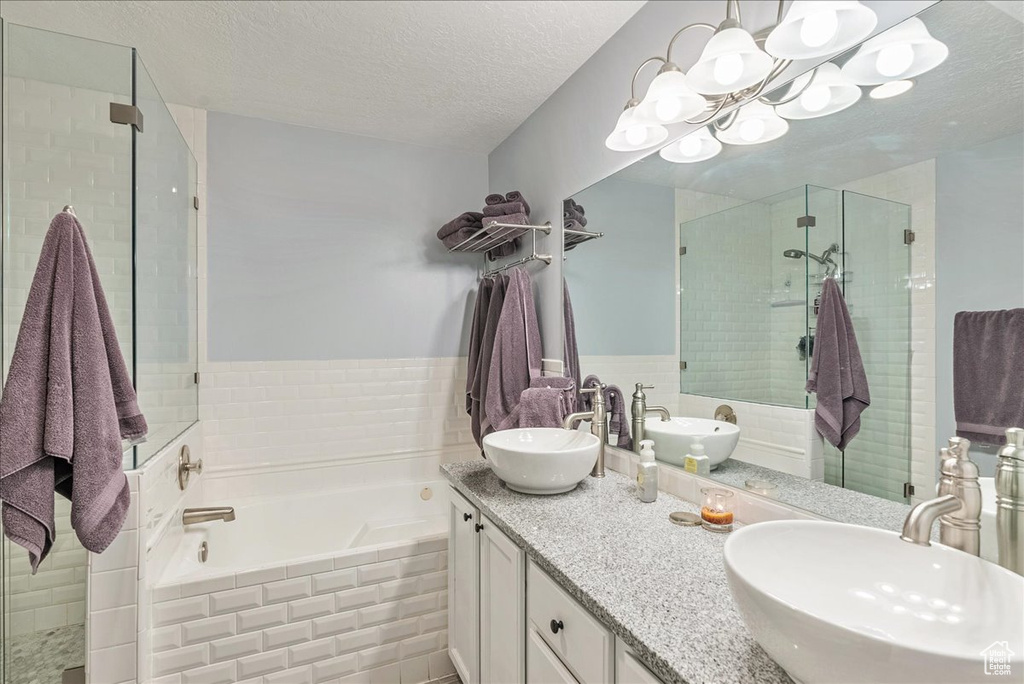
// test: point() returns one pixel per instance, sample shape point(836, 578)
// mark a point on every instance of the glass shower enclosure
point(71, 137)
point(749, 282)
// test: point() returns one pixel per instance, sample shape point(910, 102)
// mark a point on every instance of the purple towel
point(567, 387)
point(460, 228)
point(573, 212)
point(480, 424)
point(504, 209)
point(494, 199)
point(68, 403)
point(542, 407)
point(516, 196)
point(837, 371)
point(509, 248)
point(571, 350)
point(476, 334)
point(988, 374)
point(515, 360)
point(615, 405)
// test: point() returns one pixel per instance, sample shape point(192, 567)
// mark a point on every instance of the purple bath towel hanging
point(67, 404)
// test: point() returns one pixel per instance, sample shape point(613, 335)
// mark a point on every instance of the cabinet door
point(502, 607)
point(542, 665)
point(463, 588)
point(629, 669)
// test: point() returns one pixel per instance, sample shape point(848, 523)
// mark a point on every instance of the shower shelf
point(788, 302)
point(575, 237)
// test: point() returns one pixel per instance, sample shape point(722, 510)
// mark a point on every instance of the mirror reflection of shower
point(825, 259)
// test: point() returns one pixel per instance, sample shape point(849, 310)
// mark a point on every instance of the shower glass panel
point(876, 287)
point(166, 304)
point(750, 278)
point(60, 148)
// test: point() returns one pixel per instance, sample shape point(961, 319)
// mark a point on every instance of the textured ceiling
point(445, 74)
point(975, 96)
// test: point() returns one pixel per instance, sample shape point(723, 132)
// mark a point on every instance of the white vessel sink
point(672, 438)
point(842, 603)
point(541, 460)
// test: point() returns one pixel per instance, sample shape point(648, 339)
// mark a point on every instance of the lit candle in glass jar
point(716, 509)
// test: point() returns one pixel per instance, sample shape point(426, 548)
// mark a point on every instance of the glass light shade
point(890, 89)
point(816, 28)
point(669, 100)
point(903, 52)
point(755, 123)
point(828, 93)
point(731, 61)
point(630, 134)
point(696, 147)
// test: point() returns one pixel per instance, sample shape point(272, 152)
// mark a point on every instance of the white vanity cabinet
point(486, 598)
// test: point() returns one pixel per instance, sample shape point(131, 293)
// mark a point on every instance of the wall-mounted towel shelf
point(575, 237)
point(495, 234)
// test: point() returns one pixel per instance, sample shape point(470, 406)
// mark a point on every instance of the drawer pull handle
point(467, 516)
point(479, 527)
point(556, 625)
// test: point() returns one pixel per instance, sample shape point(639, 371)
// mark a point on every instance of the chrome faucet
point(958, 506)
point(640, 409)
point(598, 424)
point(192, 516)
point(1010, 501)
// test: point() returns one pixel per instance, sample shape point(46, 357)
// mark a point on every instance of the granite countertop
point(660, 587)
point(836, 503)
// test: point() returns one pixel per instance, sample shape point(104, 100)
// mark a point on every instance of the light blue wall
point(979, 250)
point(322, 245)
point(623, 285)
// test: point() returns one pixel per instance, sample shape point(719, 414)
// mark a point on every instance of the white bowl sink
point(843, 603)
point(672, 438)
point(541, 460)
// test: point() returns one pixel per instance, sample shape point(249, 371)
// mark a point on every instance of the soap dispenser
point(696, 461)
point(647, 473)
point(1010, 501)
point(958, 475)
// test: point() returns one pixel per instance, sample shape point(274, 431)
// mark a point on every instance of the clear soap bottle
point(647, 473)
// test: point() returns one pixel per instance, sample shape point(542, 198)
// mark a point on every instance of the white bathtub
point(333, 583)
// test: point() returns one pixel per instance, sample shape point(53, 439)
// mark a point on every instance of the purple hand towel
point(515, 360)
point(837, 371)
point(67, 404)
point(571, 351)
point(542, 407)
point(565, 385)
point(504, 209)
point(480, 424)
point(516, 196)
point(988, 374)
point(494, 199)
point(615, 405)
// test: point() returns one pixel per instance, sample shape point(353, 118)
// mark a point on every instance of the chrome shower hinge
point(682, 251)
point(129, 115)
point(806, 222)
point(909, 236)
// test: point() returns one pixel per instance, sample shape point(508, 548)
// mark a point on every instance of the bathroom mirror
point(705, 280)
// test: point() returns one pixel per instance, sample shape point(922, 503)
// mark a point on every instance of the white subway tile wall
point(626, 371)
point(317, 411)
point(377, 614)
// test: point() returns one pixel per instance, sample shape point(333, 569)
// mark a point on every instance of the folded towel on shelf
point(516, 355)
point(68, 403)
point(494, 199)
point(542, 407)
point(578, 208)
point(988, 373)
point(837, 371)
point(503, 209)
point(516, 196)
point(573, 212)
point(460, 228)
point(480, 424)
point(615, 406)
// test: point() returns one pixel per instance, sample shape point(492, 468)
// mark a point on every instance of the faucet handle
point(600, 387)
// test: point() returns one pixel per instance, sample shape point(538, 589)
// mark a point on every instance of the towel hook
point(70, 209)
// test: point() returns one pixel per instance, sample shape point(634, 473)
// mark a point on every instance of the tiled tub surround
point(660, 588)
point(330, 411)
point(375, 612)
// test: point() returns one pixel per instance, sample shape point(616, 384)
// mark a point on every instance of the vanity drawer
point(582, 643)
point(629, 669)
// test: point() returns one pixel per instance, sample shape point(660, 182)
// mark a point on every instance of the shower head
point(800, 254)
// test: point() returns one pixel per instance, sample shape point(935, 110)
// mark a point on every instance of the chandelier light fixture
point(737, 68)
